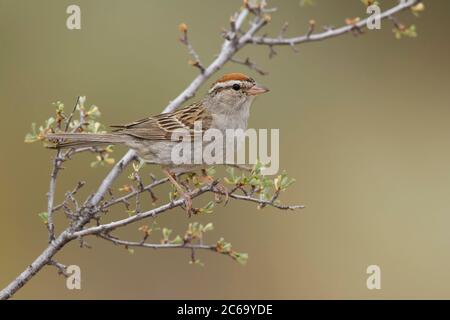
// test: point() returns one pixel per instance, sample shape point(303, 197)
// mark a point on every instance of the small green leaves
point(81, 120)
point(240, 257)
point(177, 240)
point(225, 248)
point(136, 166)
point(33, 136)
point(131, 213)
point(93, 112)
point(417, 9)
point(44, 217)
point(208, 208)
point(403, 31)
point(39, 134)
point(59, 106)
point(208, 227)
point(258, 183)
point(195, 231)
point(102, 160)
point(282, 182)
point(211, 171)
point(166, 234)
point(222, 246)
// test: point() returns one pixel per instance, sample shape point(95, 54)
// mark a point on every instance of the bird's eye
point(236, 87)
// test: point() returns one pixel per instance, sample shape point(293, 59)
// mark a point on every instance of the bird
point(225, 106)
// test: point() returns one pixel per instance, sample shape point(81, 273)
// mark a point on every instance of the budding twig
point(62, 269)
point(184, 40)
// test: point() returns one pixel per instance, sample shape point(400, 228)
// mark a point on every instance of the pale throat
point(236, 118)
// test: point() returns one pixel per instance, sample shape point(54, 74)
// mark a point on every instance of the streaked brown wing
point(160, 127)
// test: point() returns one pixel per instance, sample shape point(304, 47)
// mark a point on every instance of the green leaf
point(211, 171)
point(166, 233)
point(177, 240)
point(43, 216)
point(93, 112)
point(49, 122)
point(59, 106)
point(223, 246)
point(241, 257)
point(208, 227)
point(32, 137)
point(208, 208)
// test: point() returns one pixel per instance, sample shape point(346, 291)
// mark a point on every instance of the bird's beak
point(257, 90)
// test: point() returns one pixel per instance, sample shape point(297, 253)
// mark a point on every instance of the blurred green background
point(364, 129)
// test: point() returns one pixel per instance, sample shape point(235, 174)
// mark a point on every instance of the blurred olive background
point(364, 130)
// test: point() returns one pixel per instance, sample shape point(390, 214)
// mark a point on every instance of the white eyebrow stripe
point(225, 84)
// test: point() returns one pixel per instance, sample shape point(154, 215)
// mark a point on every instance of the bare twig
point(157, 245)
point(184, 40)
point(57, 161)
point(62, 269)
point(250, 64)
point(262, 202)
point(330, 33)
point(228, 50)
point(139, 216)
point(69, 196)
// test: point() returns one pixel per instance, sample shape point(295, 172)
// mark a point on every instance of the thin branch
point(69, 120)
point(134, 193)
point(250, 64)
point(330, 33)
point(42, 260)
point(185, 40)
point(56, 166)
point(262, 202)
point(62, 269)
point(157, 245)
point(112, 176)
point(228, 50)
point(139, 216)
point(69, 196)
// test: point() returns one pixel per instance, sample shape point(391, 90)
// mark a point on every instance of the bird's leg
point(181, 191)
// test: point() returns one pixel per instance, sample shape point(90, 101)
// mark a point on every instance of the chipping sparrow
point(226, 106)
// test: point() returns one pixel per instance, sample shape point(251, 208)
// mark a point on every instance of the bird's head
point(234, 91)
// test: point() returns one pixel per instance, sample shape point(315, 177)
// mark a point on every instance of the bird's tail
point(82, 140)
